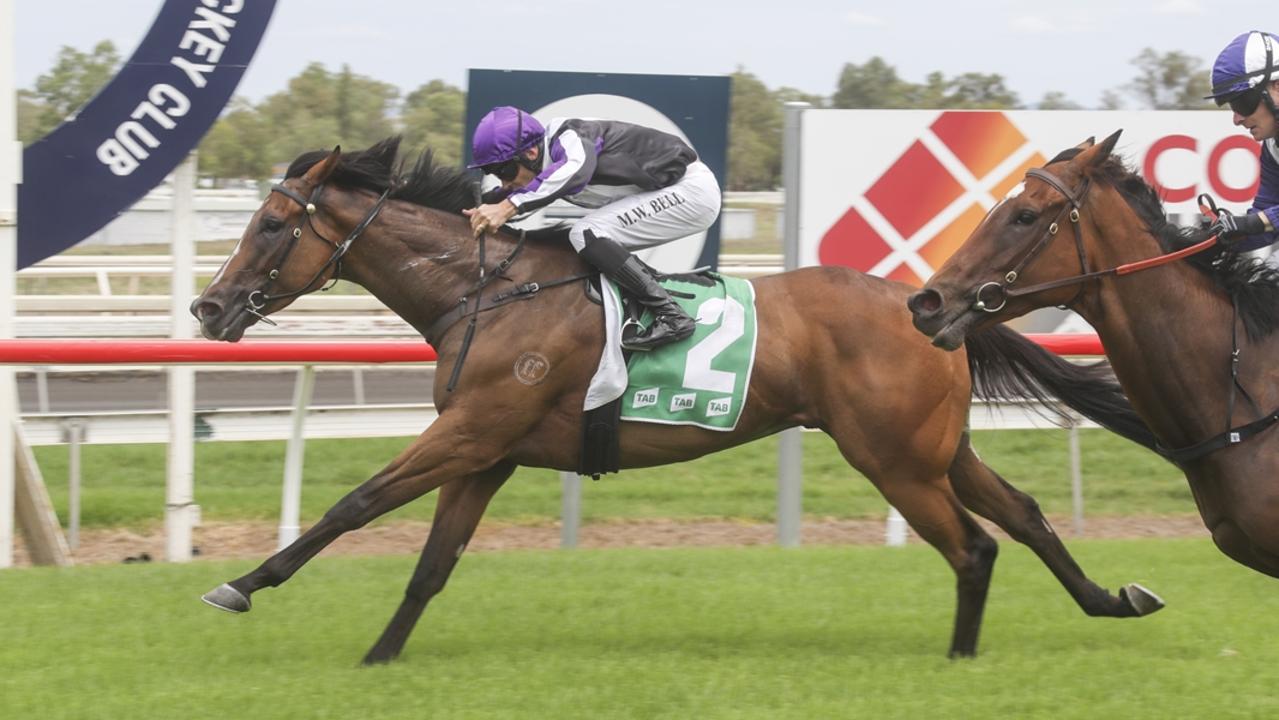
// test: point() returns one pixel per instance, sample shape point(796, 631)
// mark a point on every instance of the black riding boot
point(670, 322)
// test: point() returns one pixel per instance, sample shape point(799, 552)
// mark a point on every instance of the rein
point(1232, 435)
point(259, 299)
point(473, 303)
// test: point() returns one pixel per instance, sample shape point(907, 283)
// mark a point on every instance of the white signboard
point(895, 192)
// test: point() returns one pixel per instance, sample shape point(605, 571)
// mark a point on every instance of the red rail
point(171, 352)
point(1069, 343)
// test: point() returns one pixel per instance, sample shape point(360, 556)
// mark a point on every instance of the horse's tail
point(1006, 365)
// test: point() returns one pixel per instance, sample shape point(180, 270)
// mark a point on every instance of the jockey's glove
point(1233, 228)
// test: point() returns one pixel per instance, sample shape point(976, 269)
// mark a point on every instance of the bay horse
point(837, 353)
point(1191, 342)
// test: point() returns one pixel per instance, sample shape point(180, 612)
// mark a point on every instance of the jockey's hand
point(488, 218)
point(1233, 228)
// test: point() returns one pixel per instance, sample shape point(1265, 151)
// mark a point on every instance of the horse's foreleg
point(457, 512)
point(444, 452)
point(984, 492)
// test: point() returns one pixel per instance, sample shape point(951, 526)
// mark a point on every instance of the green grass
point(845, 632)
point(124, 484)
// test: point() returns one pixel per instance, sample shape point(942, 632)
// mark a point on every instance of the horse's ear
point(1108, 144)
point(321, 171)
point(1087, 143)
point(1097, 154)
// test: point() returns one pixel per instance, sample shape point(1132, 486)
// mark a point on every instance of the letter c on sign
point(1227, 193)
point(1169, 142)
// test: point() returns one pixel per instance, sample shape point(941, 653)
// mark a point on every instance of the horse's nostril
point(205, 309)
point(925, 302)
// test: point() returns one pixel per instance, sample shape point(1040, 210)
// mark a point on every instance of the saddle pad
point(701, 380)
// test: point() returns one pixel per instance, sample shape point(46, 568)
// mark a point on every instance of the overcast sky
point(1078, 47)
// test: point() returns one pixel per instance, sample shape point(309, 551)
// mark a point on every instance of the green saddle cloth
point(701, 380)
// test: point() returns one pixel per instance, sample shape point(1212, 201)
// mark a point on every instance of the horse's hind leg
point(984, 492)
point(937, 516)
point(457, 512)
point(923, 496)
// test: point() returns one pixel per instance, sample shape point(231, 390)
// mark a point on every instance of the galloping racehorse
point(1192, 343)
point(837, 353)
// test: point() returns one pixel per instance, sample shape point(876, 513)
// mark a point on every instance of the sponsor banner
point(139, 127)
point(895, 192)
point(694, 108)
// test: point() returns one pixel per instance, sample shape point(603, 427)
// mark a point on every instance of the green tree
point(1169, 81)
point(236, 146)
point(979, 91)
point(754, 135)
point(433, 117)
point(74, 79)
point(29, 109)
point(322, 109)
point(874, 84)
point(1054, 100)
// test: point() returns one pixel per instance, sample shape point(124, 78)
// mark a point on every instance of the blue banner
point(694, 106)
point(140, 127)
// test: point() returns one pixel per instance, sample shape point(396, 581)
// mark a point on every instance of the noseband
point(1003, 290)
point(260, 298)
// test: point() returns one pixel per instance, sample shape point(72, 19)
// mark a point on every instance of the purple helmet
point(502, 134)
point(1248, 61)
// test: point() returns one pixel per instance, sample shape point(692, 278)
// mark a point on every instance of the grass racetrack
point(833, 632)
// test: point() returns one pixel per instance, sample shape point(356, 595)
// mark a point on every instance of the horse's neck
point(1167, 333)
point(421, 262)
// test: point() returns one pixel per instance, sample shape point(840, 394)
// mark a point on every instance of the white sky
point(1079, 47)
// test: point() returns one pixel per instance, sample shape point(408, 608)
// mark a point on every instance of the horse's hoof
point(225, 597)
point(1141, 600)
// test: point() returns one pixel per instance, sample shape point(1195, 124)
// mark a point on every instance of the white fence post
point(1076, 479)
point(75, 434)
point(790, 453)
point(570, 508)
point(180, 510)
point(10, 176)
point(294, 455)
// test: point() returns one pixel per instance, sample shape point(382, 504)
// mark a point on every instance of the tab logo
point(719, 406)
point(644, 398)
point(683, 402)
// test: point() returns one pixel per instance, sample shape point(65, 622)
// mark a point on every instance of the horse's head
point(1008, 266)
point(282, 254)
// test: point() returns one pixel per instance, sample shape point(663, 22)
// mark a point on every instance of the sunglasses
point(504, 171)
point(1246, 103)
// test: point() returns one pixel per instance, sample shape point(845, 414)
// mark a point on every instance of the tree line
point(321, 107)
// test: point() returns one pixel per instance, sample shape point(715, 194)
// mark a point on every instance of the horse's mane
point(427, 184)
point(1254, 284)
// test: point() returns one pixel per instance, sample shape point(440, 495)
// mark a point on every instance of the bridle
point(1003, 290)
point(260, 298)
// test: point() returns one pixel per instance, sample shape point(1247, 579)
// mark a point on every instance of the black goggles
point(504, 171)
point(1246, 102)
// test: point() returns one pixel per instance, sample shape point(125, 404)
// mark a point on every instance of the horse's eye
point(271, 225)
point(1025, 217)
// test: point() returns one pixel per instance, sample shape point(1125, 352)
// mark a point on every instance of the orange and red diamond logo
point(925, 205)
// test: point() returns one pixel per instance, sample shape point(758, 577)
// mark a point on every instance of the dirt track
point(257, 540)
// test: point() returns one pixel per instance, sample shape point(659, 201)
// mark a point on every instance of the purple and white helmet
point(1249, 60)
point(502, 134)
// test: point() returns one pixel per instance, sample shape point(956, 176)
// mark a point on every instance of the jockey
point(645, 188)
point(1246, 76)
